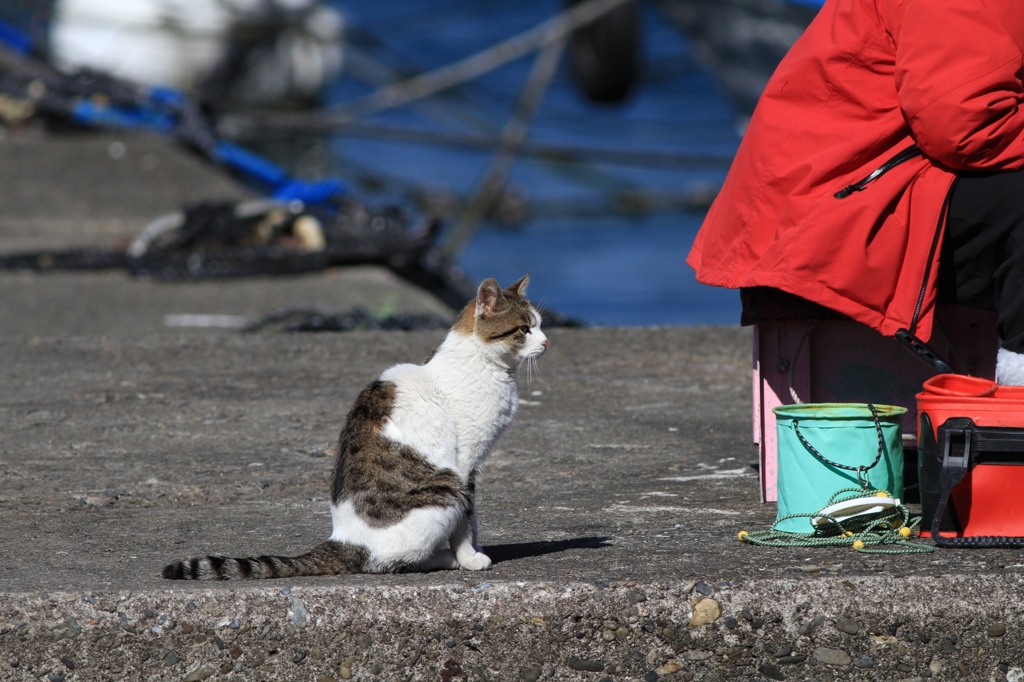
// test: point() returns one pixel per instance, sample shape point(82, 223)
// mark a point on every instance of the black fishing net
point(219, 240)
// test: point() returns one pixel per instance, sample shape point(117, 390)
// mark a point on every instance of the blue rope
point(161, 117)
point(170, 112)
point(90, 113)
point(17, 40)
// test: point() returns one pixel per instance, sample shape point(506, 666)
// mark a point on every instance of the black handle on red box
point(955, 467)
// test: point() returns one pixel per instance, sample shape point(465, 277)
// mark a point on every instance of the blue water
point(614, 269)
point(587, 257)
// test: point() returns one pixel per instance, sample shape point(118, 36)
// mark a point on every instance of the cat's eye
point(524, 329)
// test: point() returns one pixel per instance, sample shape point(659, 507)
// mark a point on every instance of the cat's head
point(504, 322)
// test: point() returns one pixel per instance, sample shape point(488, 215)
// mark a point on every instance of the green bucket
point(848, 437)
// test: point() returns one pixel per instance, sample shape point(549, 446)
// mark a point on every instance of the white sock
point(1010, 368)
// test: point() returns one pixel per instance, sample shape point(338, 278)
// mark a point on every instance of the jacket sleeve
point(958, 78)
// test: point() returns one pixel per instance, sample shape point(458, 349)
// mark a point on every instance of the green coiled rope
point(878, 533)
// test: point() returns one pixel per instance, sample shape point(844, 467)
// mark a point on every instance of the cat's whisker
point(531, 368)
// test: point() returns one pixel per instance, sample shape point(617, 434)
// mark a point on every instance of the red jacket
point(868, 79)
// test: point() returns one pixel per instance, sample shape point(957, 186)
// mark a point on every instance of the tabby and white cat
point(402, 495)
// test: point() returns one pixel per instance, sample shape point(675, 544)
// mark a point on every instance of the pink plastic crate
point(841, 361)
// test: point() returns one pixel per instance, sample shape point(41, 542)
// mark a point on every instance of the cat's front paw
point(478, 561)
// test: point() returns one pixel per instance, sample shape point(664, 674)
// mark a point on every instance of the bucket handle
point(862, 478)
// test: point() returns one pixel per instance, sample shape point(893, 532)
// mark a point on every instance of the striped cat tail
point(330, 558)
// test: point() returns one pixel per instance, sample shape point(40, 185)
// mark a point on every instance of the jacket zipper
point(943, 217)
point(904, 155)
point(907, 337)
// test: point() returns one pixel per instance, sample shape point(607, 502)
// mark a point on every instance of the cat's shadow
point(525, 550)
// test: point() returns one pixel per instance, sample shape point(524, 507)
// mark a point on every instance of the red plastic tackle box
point(971, 462)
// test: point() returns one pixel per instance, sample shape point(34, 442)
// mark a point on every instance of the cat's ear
point(519, 288)
point(488, 297)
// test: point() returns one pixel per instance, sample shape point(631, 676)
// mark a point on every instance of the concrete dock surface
point(610, 508)
point(91, 190)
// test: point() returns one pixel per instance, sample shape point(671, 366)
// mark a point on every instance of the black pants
point(982, 261)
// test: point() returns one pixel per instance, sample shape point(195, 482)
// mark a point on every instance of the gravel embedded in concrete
point(848, 625)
